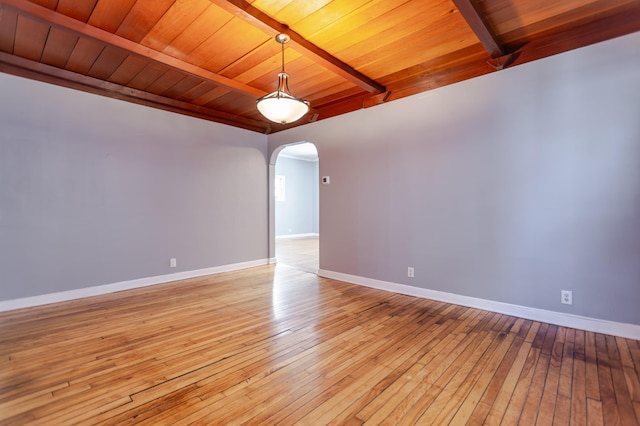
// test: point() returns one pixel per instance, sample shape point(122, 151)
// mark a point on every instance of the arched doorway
point(294, 180)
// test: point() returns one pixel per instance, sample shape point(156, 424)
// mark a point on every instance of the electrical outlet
point(410, 272)
point(172, 262)
point(566, 297)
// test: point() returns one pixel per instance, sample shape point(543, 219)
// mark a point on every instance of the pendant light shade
point(281, 106)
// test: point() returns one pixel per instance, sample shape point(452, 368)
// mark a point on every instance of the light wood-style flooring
point(277, 345)
point(301, 253)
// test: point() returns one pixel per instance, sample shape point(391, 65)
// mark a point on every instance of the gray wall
point(509, 187)
point(96, 191)
point(298, 214)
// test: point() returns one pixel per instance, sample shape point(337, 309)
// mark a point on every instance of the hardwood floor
point(274, 345)
point(300, 253)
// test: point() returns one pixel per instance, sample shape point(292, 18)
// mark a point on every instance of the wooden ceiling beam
point(471, 13)
point(51, 17)
point(22, 67)
point(254, 16)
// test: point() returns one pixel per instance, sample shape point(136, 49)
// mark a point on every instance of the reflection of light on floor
point(289, 287)
point(295, 301)
point(278, 295)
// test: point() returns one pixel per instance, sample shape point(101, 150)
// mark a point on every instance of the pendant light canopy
point(281, 106)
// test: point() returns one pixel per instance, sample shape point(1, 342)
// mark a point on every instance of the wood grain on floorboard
point(276, 344)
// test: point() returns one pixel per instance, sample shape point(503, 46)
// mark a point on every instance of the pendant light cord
point(282, 45)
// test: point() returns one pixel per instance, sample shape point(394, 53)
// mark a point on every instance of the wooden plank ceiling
point(213, 58)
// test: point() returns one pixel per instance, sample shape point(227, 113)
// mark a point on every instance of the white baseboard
point(287, 236)
point(63, 296)
point(630, 331)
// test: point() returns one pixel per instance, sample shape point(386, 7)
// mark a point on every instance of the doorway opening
point(296, 206)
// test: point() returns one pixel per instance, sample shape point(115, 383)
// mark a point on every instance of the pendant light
point(280, 106)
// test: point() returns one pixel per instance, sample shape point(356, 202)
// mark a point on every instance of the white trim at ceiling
point(295, 157)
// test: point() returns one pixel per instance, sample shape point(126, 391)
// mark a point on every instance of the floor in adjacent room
point(301, 253)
